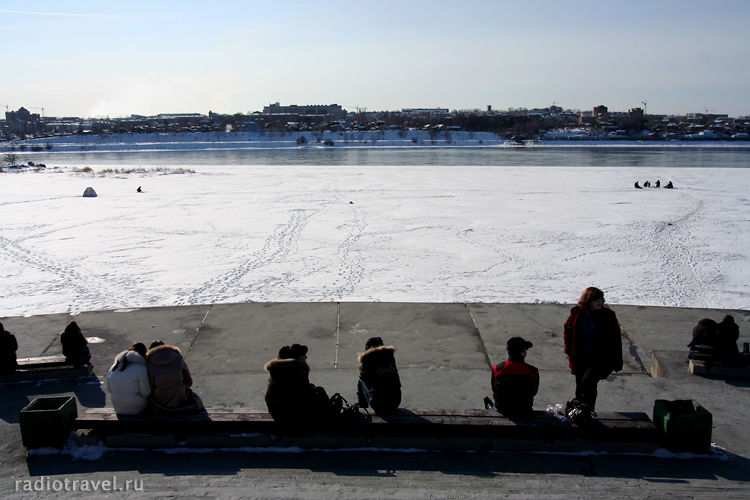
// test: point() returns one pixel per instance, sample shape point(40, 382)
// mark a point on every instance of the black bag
point(340, 407)
point(335, 404)
point(579, 413)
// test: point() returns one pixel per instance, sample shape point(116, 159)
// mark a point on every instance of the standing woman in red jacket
point(592, 343)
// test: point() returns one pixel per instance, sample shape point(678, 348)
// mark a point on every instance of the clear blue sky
point(86, 58)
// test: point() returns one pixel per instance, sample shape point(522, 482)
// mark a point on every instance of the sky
point(97, 59)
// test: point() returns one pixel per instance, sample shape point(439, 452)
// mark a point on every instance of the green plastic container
point(47, 422)
point(684, 425)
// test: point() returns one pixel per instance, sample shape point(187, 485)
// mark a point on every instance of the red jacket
point(514, 385)
point(607, 341)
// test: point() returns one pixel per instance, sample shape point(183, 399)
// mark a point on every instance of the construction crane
point(42, 108)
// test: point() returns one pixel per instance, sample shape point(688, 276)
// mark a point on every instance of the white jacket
point(129, 388)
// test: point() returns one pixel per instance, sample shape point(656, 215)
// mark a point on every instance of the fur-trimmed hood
point(291, 364)
point(373, 350)
point(163, 355)
point(132, 356)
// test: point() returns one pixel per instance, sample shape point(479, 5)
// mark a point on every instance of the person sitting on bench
point(290, 396)
point(705, 335)
point(127, 381)
point(8, 348)
point(729, 333)
point(74, 346)
point(719, 339)
point(170, 381)
point(515, 382)
point(379, 385)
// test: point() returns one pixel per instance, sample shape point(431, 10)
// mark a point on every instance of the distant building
point(436, 112)
point(64, 125)
point(319, 110)
point(601, 110)
point(23, 122)
point(636, 113)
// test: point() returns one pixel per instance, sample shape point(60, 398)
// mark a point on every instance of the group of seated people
point(74, 346)
point(292, 398)
point(647, 184)
point(719, 339)
point(159, 379)
point(156, 379)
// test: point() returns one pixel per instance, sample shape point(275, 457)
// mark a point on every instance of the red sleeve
point(568, 336)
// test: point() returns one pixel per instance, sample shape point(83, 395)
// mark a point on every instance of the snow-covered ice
point(364, 233)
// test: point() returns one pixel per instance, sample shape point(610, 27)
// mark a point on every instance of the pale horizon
point(89, 59)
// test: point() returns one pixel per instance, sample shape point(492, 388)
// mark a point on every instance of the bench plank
point(705, 367)
point(423, 429)
point(41, 360)
point(49, 368)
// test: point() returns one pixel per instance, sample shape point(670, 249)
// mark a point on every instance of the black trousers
point(587, 378)
point(383, 401)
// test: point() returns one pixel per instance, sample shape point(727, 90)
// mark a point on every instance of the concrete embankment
point(444, 354)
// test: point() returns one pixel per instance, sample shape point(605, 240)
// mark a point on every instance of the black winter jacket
point(514, 385)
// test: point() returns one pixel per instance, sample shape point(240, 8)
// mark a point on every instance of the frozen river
point(440, 228)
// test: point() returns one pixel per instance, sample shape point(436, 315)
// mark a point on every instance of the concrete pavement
point(444, 354)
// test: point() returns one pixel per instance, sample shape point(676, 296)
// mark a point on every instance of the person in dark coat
point(592, 343)
point(515, 382)
point(637, 186)
point(705, 333)
point(8, 348)
point(729, 333)
point(290, 396)
point(379, 385)
point(170, 381)
point(74, 346)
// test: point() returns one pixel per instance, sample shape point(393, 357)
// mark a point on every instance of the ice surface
point(365, 233)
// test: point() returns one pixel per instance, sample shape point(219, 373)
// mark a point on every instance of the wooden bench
point(448, 430)
point(703, 363)
point(44, 368)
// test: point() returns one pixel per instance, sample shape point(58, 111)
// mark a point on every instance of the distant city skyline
point(84, 58)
